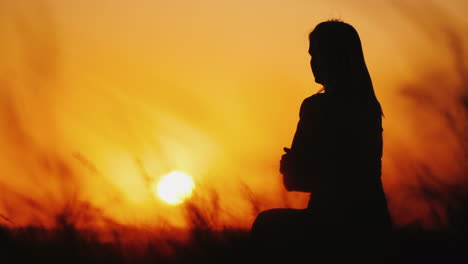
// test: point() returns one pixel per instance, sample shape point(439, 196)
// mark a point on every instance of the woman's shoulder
point(313, 103)
point(315, 98)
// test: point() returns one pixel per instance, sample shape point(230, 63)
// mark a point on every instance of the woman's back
point(340, 141)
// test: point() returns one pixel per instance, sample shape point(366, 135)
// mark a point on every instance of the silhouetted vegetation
point(67, 244)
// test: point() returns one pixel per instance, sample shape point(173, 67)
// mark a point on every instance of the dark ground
point(68, 245)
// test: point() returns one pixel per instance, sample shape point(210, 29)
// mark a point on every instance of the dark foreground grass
point(69, 245)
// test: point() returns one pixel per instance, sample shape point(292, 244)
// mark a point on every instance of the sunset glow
point(100, 99)
point(175, 187)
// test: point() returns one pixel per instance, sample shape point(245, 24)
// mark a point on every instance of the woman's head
point(337, 60)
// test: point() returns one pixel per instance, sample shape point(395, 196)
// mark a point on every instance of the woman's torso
point(350, 145)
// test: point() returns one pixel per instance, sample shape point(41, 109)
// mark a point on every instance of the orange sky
point(211, 88)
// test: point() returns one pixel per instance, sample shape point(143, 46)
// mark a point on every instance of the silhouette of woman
point(335, 153)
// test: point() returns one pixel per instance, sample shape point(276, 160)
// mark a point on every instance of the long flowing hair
point(339, 63)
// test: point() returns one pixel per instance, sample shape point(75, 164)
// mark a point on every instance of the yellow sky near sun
point(208, 87)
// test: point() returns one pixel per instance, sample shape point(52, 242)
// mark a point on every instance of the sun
point(174, 187)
